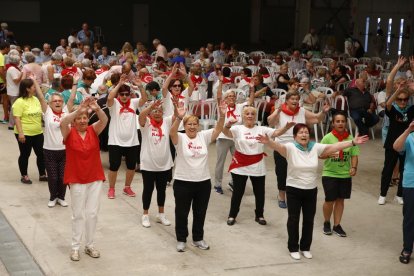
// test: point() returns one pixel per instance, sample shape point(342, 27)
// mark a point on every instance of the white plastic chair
point(316, 61)
point(260, 103)
point(365, 60)
point(236, 69)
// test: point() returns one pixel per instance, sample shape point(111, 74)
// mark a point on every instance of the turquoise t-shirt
point(78, 97)
point(408, 179)
point(334, 166)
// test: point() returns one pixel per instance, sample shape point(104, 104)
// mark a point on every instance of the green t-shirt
point(78, 98)
point(335, 167)
point(30, 112)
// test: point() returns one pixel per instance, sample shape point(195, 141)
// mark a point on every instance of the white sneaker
point(181, 246)
point(163, 220)
point(307, 254)
point(52, 203)
point(381, 200)
point(145, 221)
point(62, 203)
point(400, 200)
point(295, 255)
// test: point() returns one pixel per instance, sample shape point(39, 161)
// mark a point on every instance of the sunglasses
point(124, 94)
point(176, 85)
point(402, 99)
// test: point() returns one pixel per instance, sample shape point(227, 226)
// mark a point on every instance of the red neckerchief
point(227, 80)
point(147, 78)
point(100, 71)
point(248, 79)
point(178, 96)
point(265, 76)
point(11, 65)
point(340, 138)
point(59, 114)
point(157, 125)
point(230, 112)
point(125, 106)
point(69, 71)
point(287, 111)
point(196, 79)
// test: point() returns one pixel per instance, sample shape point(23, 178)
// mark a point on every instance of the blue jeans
point(363, 120)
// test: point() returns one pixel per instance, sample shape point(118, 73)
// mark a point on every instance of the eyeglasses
point(176, 85)
point(89, 78)
point(402, 99)
point(124, 94)
point(57, 101)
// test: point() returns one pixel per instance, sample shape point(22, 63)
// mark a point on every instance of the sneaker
point(405, 257)
point(5, 121)
point(282, 203)
point(327, 228)
point(381, 200)
point(111, 193)
point(74, 255)
point(231, 221)
point(399, 199)
point(62, 203)
point(339, 231)
point(91, 251)
point(128, 191)
point(181, 246)
point(10, 128)
point(231, 186)
point(307, 254)
point(52, 203)
point(201, 244)
point(219, 190)
point(25, 179)
point(43, 178)
point(163, 220)
point(145, 221)
point(295, 255)
point(261, 221)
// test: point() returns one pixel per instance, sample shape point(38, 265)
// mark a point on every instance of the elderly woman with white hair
point(54, 69)
point(13, 78)
point(225, 144)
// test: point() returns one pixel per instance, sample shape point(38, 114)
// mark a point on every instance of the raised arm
point(142, 118)
point(273, 119)
point(112, 94)
point(65, 122)
point(282, 130)
point(183, 72)
point(143, 99)
point(390, 79)
point(103, 119)
point(264, 139)
point(399, 143)
point(331, 148)
point(39, 94)
point(314, 118)
point(71, 100)
point(219, 126)
point(180, 111)
point(164, 88)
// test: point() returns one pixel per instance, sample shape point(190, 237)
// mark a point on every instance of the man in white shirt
point(161, 50)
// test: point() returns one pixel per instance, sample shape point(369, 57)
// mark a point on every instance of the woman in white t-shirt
point(192, 185)
point(248, 161)
point(13, 78)
point(54, 151)
point(225, 144)
point(301, 189)
point(156, 160)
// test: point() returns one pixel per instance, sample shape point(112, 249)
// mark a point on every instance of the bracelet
point(226, 126)
point(353, 144)
point(355, 168)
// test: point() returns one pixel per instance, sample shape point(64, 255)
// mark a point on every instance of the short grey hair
point(86, 62)
point(14, 59)
point(57, 56)
point(29, 57)
point(228, 92)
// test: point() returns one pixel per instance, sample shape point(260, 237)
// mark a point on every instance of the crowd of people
point(70, 103)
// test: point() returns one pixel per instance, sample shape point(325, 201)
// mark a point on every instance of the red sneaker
point(111, 193)
point(128, 191)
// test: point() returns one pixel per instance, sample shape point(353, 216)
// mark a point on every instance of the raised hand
point(401, 61)
point(223, 109)
point(289, 125)
point(326, 107)
point(93, 104)
point(263, 139)
point(156, 104)
point(359, 140)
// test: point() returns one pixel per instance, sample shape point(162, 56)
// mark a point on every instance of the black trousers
point(35, 142)
point(239, 185)
point(391, 158)
point(55, 167)
point(191, 194)
point(408, 221)
point(151, 179)
point(305, 201)
point(281, 170)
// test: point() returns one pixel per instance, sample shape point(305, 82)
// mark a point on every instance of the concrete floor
point(372, 247)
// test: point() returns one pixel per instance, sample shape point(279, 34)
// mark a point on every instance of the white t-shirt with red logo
point(123, 126)
point(155, 152)
point(245, 142)
point(191, 163)
point(53, 139)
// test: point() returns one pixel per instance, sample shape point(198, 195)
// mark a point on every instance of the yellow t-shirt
point(2, 65)
point(30, 112)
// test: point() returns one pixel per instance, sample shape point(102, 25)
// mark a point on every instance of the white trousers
point(85, 207)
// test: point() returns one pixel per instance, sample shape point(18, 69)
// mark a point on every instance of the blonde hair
point(249, 108)
point(190, 117)
point(228, 92)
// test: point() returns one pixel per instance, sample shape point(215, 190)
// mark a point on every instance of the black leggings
point(115, 157)
point(35, 142)
point(160, 180)
point(55, 167)
point(281, 170)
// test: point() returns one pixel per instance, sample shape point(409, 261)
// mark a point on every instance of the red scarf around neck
point(196, 79)
point(59, 114)
point(230, 112)
point(340, 138)
point(157, 125)
point(125, 106)
point(11, 65)
point(227, 80)
point(289, 112)
point(248, 79)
